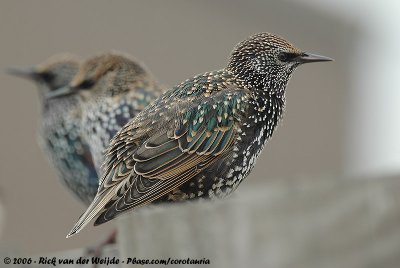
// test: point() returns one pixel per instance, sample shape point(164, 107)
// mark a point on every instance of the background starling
point(113, 88)
point(59, 134)
point(202, 138)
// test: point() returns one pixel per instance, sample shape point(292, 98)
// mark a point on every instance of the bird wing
point(137, 173)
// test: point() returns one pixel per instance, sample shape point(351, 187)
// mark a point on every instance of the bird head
point(266, 62)
point(104, 75)
point(54, 73)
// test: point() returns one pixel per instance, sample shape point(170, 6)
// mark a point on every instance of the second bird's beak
point(61, 92)
point(308, 57)
point(24, 72)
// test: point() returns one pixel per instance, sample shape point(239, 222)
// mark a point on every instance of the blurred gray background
point(325, 131)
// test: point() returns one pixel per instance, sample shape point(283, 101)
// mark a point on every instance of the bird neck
point(269, 104)
point(58, 108)
point(126, 82)
point(262, 82)
point(266, 111)
point(267, 89)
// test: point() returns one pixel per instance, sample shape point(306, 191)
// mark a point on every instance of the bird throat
point(268, 110)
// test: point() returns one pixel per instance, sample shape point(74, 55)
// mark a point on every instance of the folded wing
point(142, 166)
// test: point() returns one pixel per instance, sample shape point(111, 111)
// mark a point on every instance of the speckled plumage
point(201, 138)
point(112, 90)
point(59, 132)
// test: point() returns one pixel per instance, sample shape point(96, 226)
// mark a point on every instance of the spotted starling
point(59, 133)
point(113, 88)
point(201, 138)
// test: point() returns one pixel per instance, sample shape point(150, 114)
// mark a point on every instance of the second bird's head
point(54, 73)
point(105, 75)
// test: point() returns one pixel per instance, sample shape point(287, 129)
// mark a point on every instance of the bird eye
point(287, 57)
point(86, 84)
point(47, 77)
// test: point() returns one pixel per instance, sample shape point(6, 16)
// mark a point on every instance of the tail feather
point(93, 210)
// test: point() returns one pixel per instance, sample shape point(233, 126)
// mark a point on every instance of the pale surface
point(311, 223)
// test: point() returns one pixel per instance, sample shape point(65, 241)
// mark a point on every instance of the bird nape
point(201, 138)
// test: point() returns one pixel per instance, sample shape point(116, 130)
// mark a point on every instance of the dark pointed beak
point(24, 72)
point(61, 92)
point(308, 57)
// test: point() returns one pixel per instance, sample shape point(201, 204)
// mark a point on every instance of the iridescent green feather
point(210, 125)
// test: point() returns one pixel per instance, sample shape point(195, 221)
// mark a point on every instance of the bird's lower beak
point(61, 92)
point(308, 57)
point(24, 72)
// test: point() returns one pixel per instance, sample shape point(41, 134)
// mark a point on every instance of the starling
point(201, 138)
point(59, 133)
point(113, 88)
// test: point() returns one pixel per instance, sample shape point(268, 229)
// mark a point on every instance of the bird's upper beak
point(308, 57)
point(24, 72)
point(61, 92)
